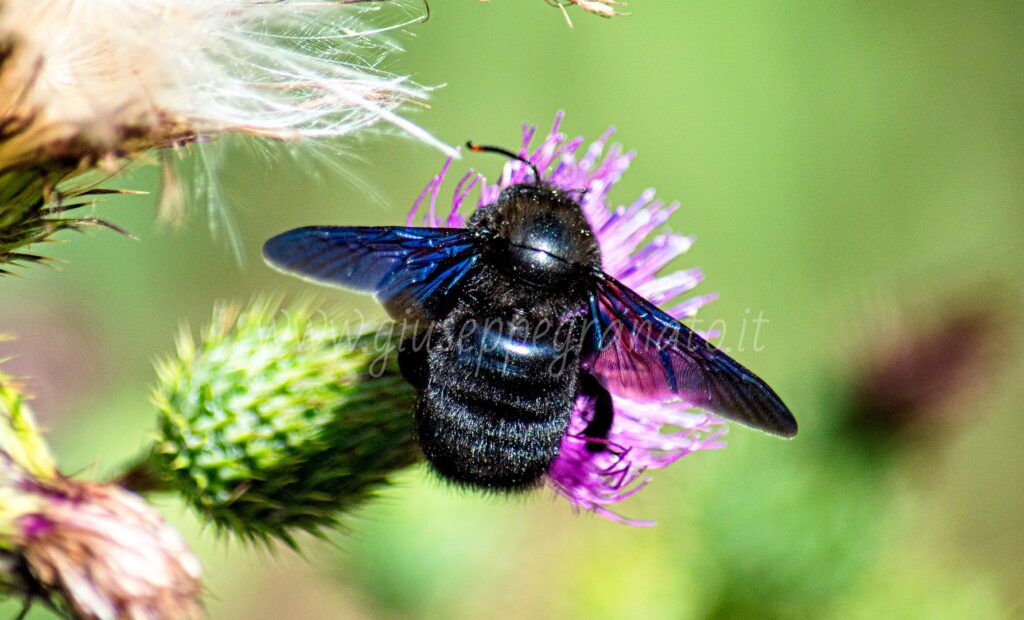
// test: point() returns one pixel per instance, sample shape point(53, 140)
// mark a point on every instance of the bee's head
point(543, 235)
point(540, 231)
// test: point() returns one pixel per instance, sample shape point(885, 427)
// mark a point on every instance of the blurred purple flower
point(643, 436)
point(922, 366)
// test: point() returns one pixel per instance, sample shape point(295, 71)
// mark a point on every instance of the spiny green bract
point(278, 421)
point(22, 219)
point(32, 210)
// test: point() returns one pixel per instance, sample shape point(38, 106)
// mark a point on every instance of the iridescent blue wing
point(642, 353)
point(410, 270)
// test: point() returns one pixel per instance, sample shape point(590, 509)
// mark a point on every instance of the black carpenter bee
point(514, 318)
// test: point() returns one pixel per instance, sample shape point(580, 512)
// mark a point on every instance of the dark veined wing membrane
point(644, 354)
point(407, 268)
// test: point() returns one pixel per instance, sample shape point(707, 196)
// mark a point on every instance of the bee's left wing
point(409, 269)
point(642, 353)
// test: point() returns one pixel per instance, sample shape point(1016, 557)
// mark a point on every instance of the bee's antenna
point(479, 148)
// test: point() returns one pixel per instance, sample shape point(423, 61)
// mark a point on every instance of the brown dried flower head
point(110, 554)
point(95, 549)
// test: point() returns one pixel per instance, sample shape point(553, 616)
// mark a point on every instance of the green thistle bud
point(277, 422)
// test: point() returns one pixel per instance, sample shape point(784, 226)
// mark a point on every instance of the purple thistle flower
point(635, 247)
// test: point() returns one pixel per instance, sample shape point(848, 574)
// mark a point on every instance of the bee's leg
point(604, 412)
point(412, 362)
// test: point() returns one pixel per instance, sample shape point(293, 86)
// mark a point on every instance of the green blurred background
point(841, 163)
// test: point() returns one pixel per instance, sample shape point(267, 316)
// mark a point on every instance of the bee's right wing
point(642, 353)
point(409, 269)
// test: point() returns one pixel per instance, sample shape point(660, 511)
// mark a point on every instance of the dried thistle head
point(110, 554)
point(88, 84)
point(95, 549)
point(85, 82)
